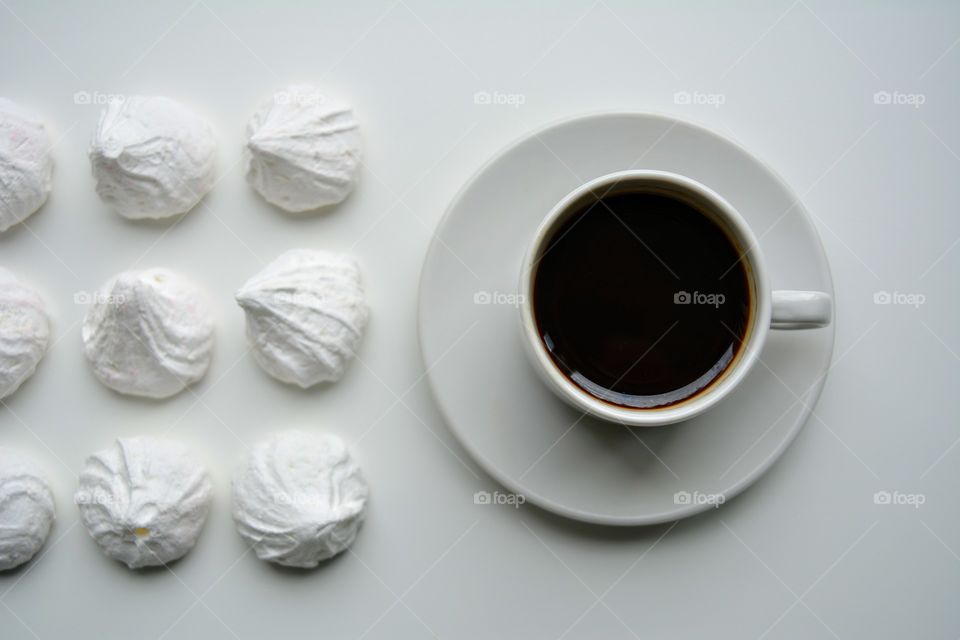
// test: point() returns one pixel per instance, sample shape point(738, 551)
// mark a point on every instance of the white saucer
point(501, 412)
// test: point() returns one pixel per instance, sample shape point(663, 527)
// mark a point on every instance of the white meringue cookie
point(299, 498)
point(26, 509)
point(306, 313)
point(26, 166)
point(144, 500)
point(152, 157)
point(148, 333)
point(303, 150)
point(24, 332)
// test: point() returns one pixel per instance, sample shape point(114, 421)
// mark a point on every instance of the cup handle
point(801, 310)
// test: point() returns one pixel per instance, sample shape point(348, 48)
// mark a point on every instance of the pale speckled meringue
point(144, 500)
point(299, 498)
point(306, 312)
point(24, 332)
point(26, 166)
point(148, 333)
point(152, 157)
point(27, 510)
point(303, 149)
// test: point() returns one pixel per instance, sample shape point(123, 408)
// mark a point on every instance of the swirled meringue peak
point(26, 509)
point(26, 166)
point(148, 333)
point(299, 498)
point(303, 149)
point(306, 312)
point(144, 500)
point(152, 157)
point(24, 332)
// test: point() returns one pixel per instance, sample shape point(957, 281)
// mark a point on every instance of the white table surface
point(805, 553)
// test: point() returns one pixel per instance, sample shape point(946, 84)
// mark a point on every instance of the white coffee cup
point(769, 309)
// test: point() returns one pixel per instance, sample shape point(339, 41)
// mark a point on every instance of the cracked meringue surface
point(306, 313)
point(27, 509)
point(299, 498)
point(26, 164)
point(152, 157)
point(144, 500)
point(302, 150)
point(24, 332)
point(148, 333)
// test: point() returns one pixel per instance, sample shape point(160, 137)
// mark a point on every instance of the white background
point(804, 553)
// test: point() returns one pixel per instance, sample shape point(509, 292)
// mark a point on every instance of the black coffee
point(641, 299)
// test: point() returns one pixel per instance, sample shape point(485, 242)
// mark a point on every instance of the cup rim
point(757, 332)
